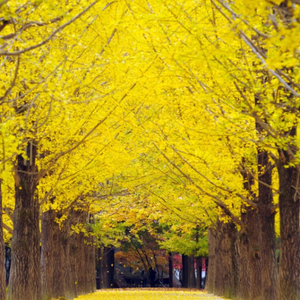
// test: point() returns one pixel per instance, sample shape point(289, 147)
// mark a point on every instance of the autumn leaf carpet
point(148, 294)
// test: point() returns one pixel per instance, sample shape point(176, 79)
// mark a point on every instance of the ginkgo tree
point(188, 105)
point(56, 112)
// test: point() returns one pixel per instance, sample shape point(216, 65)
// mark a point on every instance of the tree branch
point(47, 40)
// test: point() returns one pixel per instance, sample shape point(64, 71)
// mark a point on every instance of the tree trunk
point(269, 276)
point(59, 270)
point(70, 291)
point(81, 282)
point(211, 273)
point(48, 218)
point(25, 281)
point(90, 267)
point(254, 256)
point(244, 265)
point(170, 270)
point(111, 261)
point(227, 268)
point(289, 268)
point(191, 283)
point(91, 260)
point(251, 240)
point(199, 272)
point(2, 253)
point(184, 280)
point(73, 263)
point(106, 267)
point(188, 272)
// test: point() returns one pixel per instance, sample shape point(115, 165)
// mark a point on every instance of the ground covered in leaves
point(148, 294)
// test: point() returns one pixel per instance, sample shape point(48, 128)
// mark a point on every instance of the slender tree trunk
point(199, 272)
point(185, 273)
point(170, 270)
point(211, 273)
point(2, 253)
point(111, 264)
point(269, 276)
point(48, 218)
point(25, 281)
point(106, 267)
point(91, 260)
point(191, 281)
point(289, 268)
point(206, 271)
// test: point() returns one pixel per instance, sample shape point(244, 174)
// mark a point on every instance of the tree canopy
point(178, 113)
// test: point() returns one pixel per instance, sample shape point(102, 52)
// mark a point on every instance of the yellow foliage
point(155, 96)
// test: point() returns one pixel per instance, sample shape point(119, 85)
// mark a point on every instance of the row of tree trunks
point(2, 254)
point(68, 259)
point(35, 274)
point(258, 279)
point(189, 278)
point(235, 259)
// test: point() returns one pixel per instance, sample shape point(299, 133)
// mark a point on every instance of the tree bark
point(269, 276)
point(70, 291)
point(59, 267)
point(91, 260)
point(254, 256)
point(211, 273)
point(90, 270)
point(227, 268)
point(244, 268)
point(25, 280)
point(73, 263)
point(244, 265)
point(81, 262)
point(251, 236)
point(47, 258)
point(289, 268)
point(2, 253)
